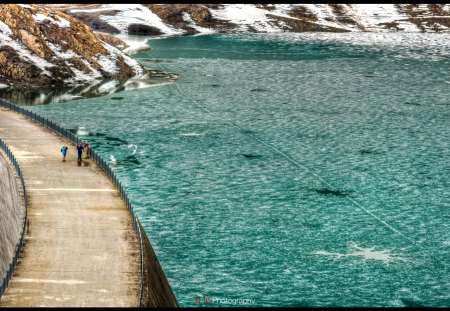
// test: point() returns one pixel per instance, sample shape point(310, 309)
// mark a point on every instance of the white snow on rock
point(5, 29)
point(59, 52)
point(109, 63)
point(26, 6)
point(104, 7)
point(324, 12)
point(133, 14)
point(371, 15)
point(81, 77)
point(40, 18)
point(187, 18)
point(368, 17)
point(136, 47)
point(244, 15)
point(108, 87)
point(135, 43)
point(24, 52)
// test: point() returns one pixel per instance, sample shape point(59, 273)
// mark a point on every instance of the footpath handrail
point(15, 259)
point(99, 160)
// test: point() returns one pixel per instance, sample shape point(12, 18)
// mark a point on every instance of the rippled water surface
point(289, 170)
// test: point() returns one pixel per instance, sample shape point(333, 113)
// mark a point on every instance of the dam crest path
point(81, 249)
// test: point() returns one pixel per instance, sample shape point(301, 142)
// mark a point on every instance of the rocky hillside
point(156, 19)
point(40, 46)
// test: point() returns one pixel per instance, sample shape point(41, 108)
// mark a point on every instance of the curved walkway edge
point(84, 247)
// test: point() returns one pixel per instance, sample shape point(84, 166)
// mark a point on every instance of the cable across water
point(299, 165)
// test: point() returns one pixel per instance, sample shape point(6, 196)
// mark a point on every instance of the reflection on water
point(42, 96)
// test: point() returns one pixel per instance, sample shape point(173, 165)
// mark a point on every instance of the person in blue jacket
point(64, 152)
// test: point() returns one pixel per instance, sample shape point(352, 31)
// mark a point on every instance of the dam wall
point(11, 214)
point(156, 291)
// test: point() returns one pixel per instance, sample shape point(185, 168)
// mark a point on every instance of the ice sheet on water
point(366, 253)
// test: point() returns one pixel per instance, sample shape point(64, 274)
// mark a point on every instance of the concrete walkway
point(81, 249)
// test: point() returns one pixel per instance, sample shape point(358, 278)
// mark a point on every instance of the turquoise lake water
point(287, 170)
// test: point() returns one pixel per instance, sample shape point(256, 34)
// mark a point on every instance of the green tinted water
point(286, 169)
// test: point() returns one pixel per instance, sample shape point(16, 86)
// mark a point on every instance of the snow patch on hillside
point(109, 63)
point(245, 15)
point(26, 6)
point(23, 51)
point(60, 53)
point(324, 13)
point(132, 14)
point(372, 15)
point(187, 18)
point(252, 17)
point(136, 47)
point(40, 18)
point(108, 87)
point(5, 29)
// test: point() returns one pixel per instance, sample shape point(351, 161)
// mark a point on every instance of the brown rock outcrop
point(172, 14)
point(116, 42)
point(139, 29)
point(15, 68)
point(92, 20)
point(68, 45)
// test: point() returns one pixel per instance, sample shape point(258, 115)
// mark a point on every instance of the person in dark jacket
point(80, 151)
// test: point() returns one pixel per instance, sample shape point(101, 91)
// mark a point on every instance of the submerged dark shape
point(251, 156)
point(331, 191)
point(115, 139)
point(410, 303)
point(117, 98)
point(131, 159)
point(365, 151)
point(96, 134)
point(369, 151)
point(258, 90)
point(215, 85)
point(412, 103)
point(248, 132)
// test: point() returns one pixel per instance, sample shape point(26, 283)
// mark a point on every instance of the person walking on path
point(88, 150)
point(64, 152)
point(80, 152)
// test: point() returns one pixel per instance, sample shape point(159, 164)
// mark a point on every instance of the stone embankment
point(12, 213)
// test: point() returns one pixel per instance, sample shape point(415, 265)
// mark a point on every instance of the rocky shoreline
point(67, 45)
point(169, 19)
point(47, 95)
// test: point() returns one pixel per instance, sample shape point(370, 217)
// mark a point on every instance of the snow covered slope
point(43, 47)
point(171, 19)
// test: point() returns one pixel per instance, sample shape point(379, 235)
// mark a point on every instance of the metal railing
point(15, 259)
point(99, 160)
